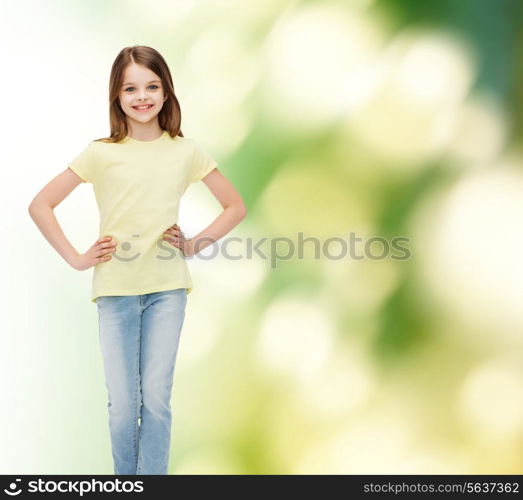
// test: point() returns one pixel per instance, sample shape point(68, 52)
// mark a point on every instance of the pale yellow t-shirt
point(138, 186)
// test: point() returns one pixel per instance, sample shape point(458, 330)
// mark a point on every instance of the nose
point(142, 95)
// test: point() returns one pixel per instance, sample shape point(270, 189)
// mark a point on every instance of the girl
point(139, 173)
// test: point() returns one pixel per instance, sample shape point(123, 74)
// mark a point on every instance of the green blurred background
point(381, 118)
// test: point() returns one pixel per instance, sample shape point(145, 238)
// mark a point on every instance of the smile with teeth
point(143, 108)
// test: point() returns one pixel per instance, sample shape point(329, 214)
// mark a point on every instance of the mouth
point(143, 109)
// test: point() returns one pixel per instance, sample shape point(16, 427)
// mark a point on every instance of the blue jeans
point(139, 336)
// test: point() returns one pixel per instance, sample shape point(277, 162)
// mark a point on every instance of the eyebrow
point(132, 83)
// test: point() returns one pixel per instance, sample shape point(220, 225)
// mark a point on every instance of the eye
point(153, 85)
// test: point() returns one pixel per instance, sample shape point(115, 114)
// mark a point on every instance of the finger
point(105, 240)
point(105, 251)
point(107, 245)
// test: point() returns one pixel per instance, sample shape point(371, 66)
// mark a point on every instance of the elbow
point(242, 211)
point(32, 211)
point(237, 207)
point(34, 207)
point(31, 208)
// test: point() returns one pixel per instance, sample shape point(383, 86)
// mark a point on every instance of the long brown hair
point(170, 116)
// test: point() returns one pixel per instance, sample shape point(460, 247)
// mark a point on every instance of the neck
point(144, 131)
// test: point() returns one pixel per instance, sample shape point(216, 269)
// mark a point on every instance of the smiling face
point(141, 87)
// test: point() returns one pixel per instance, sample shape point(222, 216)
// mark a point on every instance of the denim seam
point(137, 382)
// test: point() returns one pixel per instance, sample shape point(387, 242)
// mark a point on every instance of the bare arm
point(234, 211)
point(41, 210)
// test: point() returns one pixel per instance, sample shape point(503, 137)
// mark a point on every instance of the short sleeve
point(202, 163)
point(84, 164)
